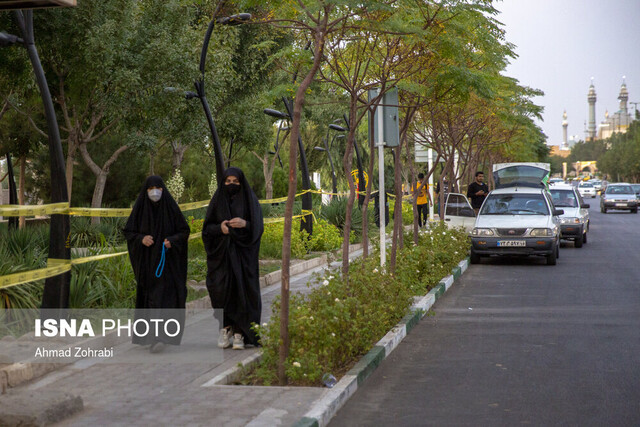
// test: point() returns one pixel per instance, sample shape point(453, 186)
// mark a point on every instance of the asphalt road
point(517, 342)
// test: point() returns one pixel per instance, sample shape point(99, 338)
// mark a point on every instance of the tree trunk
point(152, 163)
point(23, 161)
point(178, 151)
point(100, 174)
point(71, 158)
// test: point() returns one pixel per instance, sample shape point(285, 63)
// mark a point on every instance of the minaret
point(623, 97)
point(564, 129)
point(591, 97)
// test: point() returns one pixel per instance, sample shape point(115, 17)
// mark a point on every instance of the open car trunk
point(521, 174)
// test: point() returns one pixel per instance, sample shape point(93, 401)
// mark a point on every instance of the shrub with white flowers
point(213, 184)
point(175, 185)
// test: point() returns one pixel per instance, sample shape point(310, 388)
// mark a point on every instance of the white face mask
point(154, 194)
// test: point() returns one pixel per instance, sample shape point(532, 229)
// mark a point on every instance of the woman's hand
point(224, 226)
point(237, 223)
point(167, 243)
point(147, 240)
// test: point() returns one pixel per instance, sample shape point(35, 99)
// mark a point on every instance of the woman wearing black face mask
point(231, 233)
point(155, 227)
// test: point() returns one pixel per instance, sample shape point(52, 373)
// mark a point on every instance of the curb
point(326, 407)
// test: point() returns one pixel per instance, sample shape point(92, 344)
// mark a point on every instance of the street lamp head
point(336, 127)
point(319, 149)
point(190, 95)
point(275, 113)
point(238, 19)
point(9, 39)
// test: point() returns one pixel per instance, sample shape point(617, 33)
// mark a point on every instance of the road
point(517, 342)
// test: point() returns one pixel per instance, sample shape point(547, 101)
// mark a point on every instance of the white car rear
point(587, 189)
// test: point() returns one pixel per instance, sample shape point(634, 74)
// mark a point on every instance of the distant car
point(518, 217)
point(597, 184)
point(636, 189)
point(553, 181)
point(587, 189)
point(619, 196)
point(574, 222)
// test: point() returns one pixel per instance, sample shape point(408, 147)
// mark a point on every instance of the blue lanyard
point(160, 267)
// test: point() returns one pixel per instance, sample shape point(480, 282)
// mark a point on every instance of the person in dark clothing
point(231, 233)
point(157, 238)
point(477, 191)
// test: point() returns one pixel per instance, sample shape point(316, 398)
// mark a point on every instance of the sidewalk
point(180, 393)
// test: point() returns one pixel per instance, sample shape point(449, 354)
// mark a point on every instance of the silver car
point(574, 223)
point(619, 196)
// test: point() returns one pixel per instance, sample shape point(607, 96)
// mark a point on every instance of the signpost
point(385, 133)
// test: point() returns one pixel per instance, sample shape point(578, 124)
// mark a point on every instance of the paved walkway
point(144, 394)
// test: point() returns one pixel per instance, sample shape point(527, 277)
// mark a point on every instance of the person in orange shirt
point(423, 201)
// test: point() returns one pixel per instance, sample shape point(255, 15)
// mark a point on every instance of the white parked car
point(518, 218)
point(574, 223)
point(587, 189)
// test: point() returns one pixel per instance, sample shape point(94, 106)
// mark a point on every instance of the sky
point(562, 44)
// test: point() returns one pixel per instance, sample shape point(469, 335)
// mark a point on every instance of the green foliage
point(271, 243)
point(335, 213)
point(108, 233)
point(337, 322)
point(325, 237)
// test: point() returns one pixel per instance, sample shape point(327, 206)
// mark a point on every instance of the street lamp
point(307, 203)
point(200, 91)
point(361, 183)
point(56, 289)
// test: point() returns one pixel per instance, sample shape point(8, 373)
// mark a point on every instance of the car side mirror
point(585, 206)
point(558, 212)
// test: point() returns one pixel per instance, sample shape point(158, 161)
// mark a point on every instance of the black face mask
point(232, 189)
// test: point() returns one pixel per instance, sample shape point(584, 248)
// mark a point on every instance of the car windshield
point(619, 189)
point(586, 185)
point(515, 204)
point(564, 198)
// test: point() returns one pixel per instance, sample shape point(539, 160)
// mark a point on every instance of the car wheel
point(584, 238)
point(553, 257)
point(579, 241)
point(474, 258)
point(634, 210)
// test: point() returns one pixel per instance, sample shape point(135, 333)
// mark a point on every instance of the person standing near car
point(477, 191)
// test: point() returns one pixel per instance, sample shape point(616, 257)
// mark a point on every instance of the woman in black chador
point(156, 226)
point(231, 233)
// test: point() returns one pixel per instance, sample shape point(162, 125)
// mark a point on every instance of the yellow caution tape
point(31, 276)
point(101, 212)
point(193, 205)
point(31, 210)
point(83, 260)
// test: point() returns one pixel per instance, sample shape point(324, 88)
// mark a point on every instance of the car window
point(515, 204)
point(619, 189)
point(586, 185)
point(457, 205)
point(564, 198)
point(636, 187)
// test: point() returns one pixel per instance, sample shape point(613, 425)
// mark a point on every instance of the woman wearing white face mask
point(157, 236)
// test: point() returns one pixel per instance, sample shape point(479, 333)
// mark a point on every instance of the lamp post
point(307, 203)
point(326, 149)
point(361, 185)
point(56, 289)
point(200, 90)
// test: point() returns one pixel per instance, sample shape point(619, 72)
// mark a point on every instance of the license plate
point(511, 243)
point(621, 204)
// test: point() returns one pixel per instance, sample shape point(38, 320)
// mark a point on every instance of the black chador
point(232, 259)
point(150, 224)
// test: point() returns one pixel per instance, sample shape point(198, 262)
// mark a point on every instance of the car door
point(458, 212)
